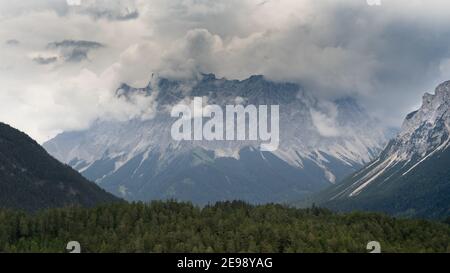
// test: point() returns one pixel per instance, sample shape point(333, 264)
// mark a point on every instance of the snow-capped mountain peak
point(320, 143)
point(426, 129)
point(413, 166)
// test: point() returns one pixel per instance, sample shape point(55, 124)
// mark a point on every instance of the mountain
point(320, 143)
point(30, 179)
point(411, 177)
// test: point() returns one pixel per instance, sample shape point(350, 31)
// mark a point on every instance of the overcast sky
point(60, 61)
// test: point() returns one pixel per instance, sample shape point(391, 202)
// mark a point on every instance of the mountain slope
point(412, 175)
point(138, 160)
point(31, 179)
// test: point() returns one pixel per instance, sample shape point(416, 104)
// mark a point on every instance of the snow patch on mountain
point(424, 133)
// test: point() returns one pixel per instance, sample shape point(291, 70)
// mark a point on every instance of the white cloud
point(325, 119)
point(72, 104)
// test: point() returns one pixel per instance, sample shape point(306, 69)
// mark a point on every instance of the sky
point(62, 60)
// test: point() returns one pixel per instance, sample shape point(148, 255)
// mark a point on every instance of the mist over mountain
point(411, 177)
point(320, 143)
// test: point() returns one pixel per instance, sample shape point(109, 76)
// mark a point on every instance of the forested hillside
point(30, 179)
point(223, 227)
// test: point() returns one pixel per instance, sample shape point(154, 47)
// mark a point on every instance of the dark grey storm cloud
point(75, 44)
point(12, 42)
point(407, 54)
point(116, 10)
point(75, 50)
point(386, 56)
point(45, 60)
point(113, 16)
point(105, 9)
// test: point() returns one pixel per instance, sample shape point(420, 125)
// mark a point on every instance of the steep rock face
point(30, 179)
point(412, 175)
point(320, 143)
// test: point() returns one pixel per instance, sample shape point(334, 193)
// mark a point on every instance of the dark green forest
point(31, 179)
point(170, 226)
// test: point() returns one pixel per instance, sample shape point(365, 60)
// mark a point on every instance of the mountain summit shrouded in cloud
point(383, 56)
point(138, 159)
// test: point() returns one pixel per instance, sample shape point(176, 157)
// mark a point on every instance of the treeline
point(224, 227)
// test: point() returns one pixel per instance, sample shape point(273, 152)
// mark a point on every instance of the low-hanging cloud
point(12, 42)
point(45, 60)
point(325, 119)
point(120, 10)
point(74, 50)
point(106, 9)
